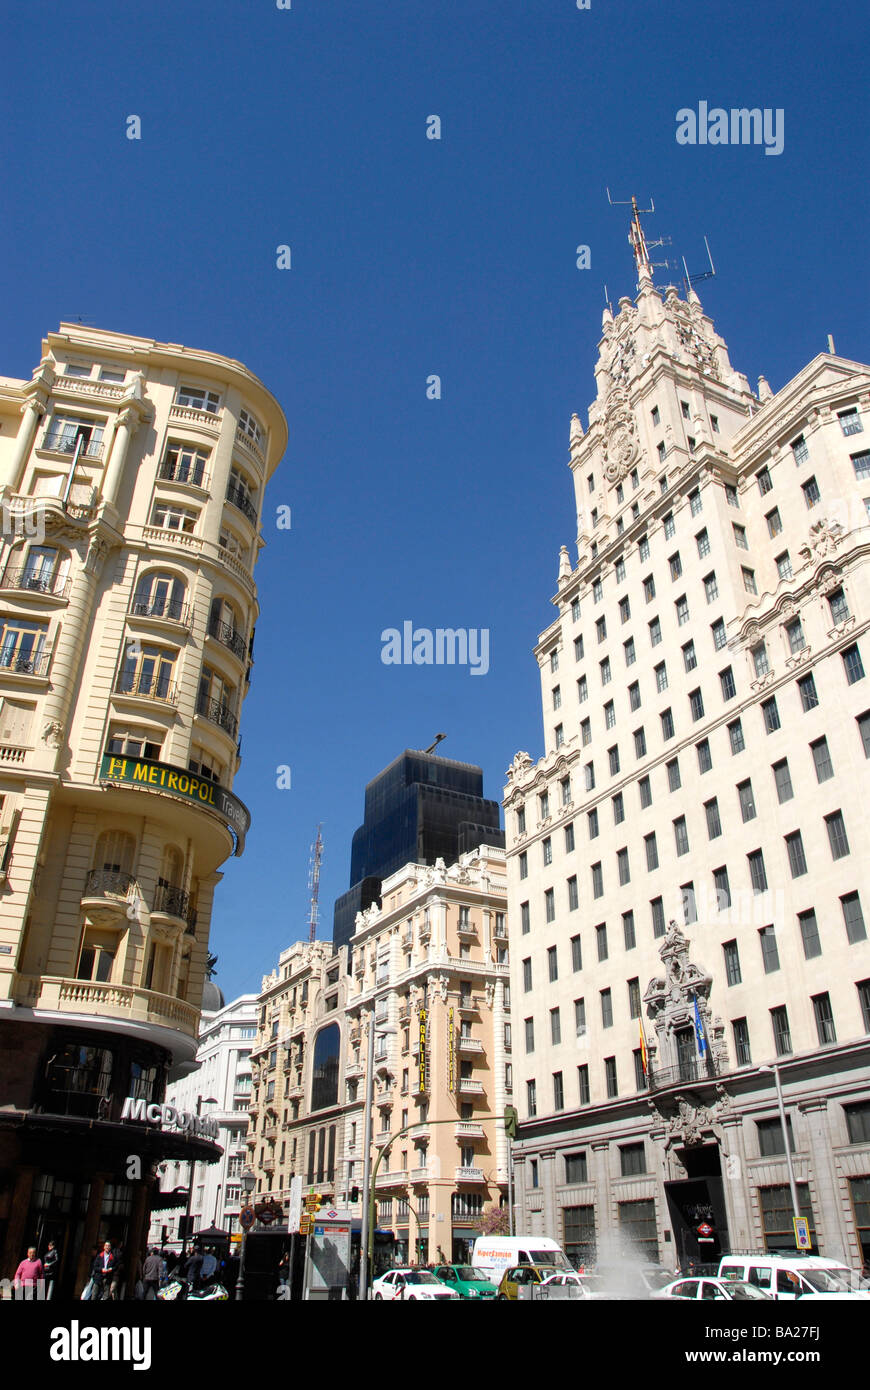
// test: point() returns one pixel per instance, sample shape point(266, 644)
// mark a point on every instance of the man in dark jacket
point(102, 1270)
point(151, 1272)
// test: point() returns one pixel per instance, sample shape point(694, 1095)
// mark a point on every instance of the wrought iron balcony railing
point(66, 444)
point(226, 634)
point(24, 665)
point(173, 610)
point(148, 687)
point(172, 900)
point(100, 882)
point(218, 713)
point(689, 1070)
point(183, 471)
point(239, 498)
point(35, 583)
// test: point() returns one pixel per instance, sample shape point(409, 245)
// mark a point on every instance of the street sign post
point(802, 1237)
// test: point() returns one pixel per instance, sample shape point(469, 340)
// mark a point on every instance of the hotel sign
point(175, 781)
point(451, 1052)
point(423, 1027)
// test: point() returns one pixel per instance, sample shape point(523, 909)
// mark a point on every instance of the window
point(575, 1169)
point(583, 1084)
point(173, 518)
point(558, 1091)
point(613, 758)
point(559, 731)
point(783, 565)
point(861, 465)
point(809, 929)
point(639, 743)
point(850, 420)
point(601, 629)
point(740, 1029)
point(669, 525)
point(760, 662)
point(527, 975)
point(824, 1017)
point(597, 881)
point(661, 675)
point(619, 571)
point(809, 696)
point(645, 792)
point(618, 804)
point(685, 409)
point(575, 610)
point(681, 836)
point(525, 923)
point(676, 565)
point(557, 697)
point(634, 696)
point(858, 1122)
point(569, 838)
point(718, 631)
point(597, 591)
point(601, 941)
point(702, 540)
point(549, 905)
point(667, 722)
point(573, 896)
point(622, 865)
point(705, 758)
point(652, 853)
point(555, 1027)
point(838, 606)
point(605, 670)
point(797, 860)
point(810, 490)
point(795, 633)
point(695, 503)
point(696, 704)
point(643, 549)
point(554, 659)
point(582, 690)
point(578, 649)
point(630, 655)
point(547, 850)
point(822, 759)
point(764, 481)
point(657, 909)
point(544, 801)
point(781, 1031)
point(576, 953)
point(837, 838)
point(726, 682)
point(606, 1009)
point(853, 665)
point(521, 820)
point(714, 823)
point(552, 964)
point(782, 778)
point(739, 536)
point(714, 422)
point(524, 865)
point(746, 800)
point(757, 872)
point(673, 768)
point(770, 711)
point(853, 918)
point(864, 1000)
point(732, 963)
point(610, 1077)
point(531, 1099)
point(624, 610)
point(530, 1034)
point(722, 888)
point(749, 580)
point(770, 1140)
point(735, 733)
point(711, 588)
point(631, 1160)
point(589, 776)
point(592, 819)
point(649, 588)
point(628, 933)
point(769, 951)
point(731, 495)
point(655, 632)
point(682, 607)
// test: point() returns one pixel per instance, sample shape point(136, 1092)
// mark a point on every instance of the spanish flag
point(643, 1056)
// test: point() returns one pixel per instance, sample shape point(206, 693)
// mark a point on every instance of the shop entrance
point(698, 1201)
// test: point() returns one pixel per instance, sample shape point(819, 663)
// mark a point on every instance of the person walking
point(101, 1272)
point(152, 1271)
point(50, 1264)
point(28, 1274)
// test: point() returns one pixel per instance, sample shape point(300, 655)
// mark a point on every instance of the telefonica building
point(688, 861)
point(131, 485)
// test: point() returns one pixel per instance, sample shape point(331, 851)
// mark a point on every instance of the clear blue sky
point(410, 257)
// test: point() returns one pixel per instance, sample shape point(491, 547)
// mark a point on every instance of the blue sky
point(411, 256)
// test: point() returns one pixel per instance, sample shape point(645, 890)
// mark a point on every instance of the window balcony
point(252, 445)
point(144, 687)
point(469, 1087)
point(65, 443)
point(391, 1180)
point(468, 1003)
point(29, 581)
point(382, 1138)
point(181, 471)
point(420, 1175)
point(469, 1175)
point(15, 663)
point(467, 930)
point(106, 896)
point(166, 610)
point(69, 996)
point(218, 713)
point(240, 499)
point(229, 638)
point(175, 902)
point(690, 1069)
point(467, 1129)
point(469, 1044)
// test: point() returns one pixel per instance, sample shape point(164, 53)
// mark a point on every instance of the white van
point(494, 1254)
point(789, 1277)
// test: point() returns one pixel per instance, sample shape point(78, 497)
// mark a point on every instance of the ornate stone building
point(706, 712)
point(132, 475)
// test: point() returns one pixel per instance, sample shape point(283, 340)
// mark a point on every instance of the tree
point(496, 1222)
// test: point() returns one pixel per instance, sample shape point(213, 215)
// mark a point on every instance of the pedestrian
point(101, 1272)
point(50, 1264)
point(115, 1286)
point(151, 1275)
point(29, 1273)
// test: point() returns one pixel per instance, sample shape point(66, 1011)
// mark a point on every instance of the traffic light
point(354, 1194)
point(315, 1201)
point(510, 1121)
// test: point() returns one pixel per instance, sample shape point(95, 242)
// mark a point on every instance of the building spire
point(638, 243)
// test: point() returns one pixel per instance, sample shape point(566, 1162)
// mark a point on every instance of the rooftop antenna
point(637, 238)
point(690, 280)
point(607, 299)
point(432, 746)
point(314, 884)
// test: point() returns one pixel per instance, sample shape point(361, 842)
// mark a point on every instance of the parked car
point(412, 1286)
point(710, 1288)
point(467, 1281)
point(787, 1277)
point(516, 1277)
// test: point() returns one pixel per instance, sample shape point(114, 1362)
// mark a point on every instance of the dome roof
point(212, 998)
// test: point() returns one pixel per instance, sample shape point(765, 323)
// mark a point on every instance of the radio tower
point(314, 884)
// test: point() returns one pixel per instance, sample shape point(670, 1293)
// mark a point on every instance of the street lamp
point(249, 1182)
point(772, 1067)
point(367, 1223)
point(200, 1102)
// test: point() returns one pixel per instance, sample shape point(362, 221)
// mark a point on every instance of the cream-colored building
point(689, 856)
point(430, 969)
point(131, 486)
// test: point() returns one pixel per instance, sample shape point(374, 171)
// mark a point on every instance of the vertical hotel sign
point(451, 1052)
point(423, 1019)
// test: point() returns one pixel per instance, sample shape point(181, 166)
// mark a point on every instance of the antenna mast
point(314, 884)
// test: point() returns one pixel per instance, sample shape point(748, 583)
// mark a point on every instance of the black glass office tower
point(419, 809)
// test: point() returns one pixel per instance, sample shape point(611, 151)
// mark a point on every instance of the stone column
point(32, 412)
point(521, 1214)
point(735, 1183)
point(128, 422)
point(603, 1191)
point(17, 1235)
point(137, 1231)
point(831, 1227)
point(548, 1182)
point(89, 1235)
point(71, 648)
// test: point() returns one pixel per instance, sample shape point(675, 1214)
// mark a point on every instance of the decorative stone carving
point(576, 437)
point(564, 566)
point(620, 446)
point(824, 538)
point(490, 993)
point(520, 765)
point(98, 552)
point(52, 734)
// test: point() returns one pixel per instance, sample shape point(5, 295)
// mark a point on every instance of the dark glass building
point(419, 809)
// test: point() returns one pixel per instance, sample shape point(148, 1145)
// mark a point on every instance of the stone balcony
point(68, 996)
point(467, 1129)
point(469, 1175)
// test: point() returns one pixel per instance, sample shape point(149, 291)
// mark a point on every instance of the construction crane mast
point(314, 884)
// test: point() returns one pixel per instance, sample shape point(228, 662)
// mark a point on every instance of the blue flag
point(700, 1035)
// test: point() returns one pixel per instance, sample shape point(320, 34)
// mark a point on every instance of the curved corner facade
point(131, 485)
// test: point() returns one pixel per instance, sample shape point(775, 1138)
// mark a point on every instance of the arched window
point(115, 852)
point(159, 595)
point(225, 625)
point(171, 867)
point(324, 1085)
point(43, 569)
